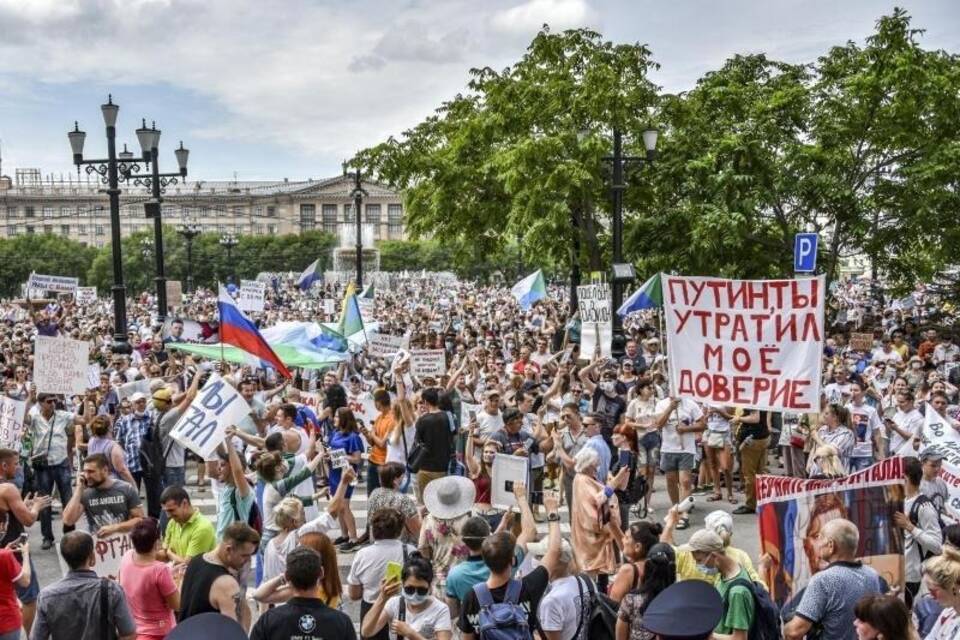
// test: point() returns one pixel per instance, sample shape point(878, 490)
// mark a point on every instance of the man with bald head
point(831, 594)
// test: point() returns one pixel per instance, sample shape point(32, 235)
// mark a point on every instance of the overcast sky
point(271, 89)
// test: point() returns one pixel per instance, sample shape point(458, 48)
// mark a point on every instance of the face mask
point(915, 365)
point(609, 387)
point(708, 571)
point(415, 599)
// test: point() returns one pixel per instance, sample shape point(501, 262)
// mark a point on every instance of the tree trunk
point(576, 216)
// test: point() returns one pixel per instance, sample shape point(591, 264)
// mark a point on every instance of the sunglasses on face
point(420, 591)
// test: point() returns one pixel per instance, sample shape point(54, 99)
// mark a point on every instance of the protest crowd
point(508, 466)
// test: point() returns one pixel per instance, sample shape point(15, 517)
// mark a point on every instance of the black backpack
point(766, 616)
point(601, 621)
point(914, 516)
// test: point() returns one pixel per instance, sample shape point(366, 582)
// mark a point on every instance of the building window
point(272, 229)
point(258, 211)
point(329, 218)
point(65, 230)
point(372, 213)
point(395, 213)
point(236, 211)
point(98, 230)
point(348, 213)
point(28, 212)
point(221, 228)
point(82, 229)
point(258, 229)
point(48, 212)
point(395, 231)
point(30, 230)
point(308, 217)
point(271, 211)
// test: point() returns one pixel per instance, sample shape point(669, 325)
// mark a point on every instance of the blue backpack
point(502, 620)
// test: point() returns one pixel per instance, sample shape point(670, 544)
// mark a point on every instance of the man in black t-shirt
point(304, 616)
point(434, 433)
point(498, 555)
point(752, 439)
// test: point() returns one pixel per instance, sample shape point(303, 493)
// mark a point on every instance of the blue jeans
point(858, 464)
point(47, 477)
point(174, 477)
point(373, 477)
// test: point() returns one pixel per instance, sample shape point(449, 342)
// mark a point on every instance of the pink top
point(146, 587)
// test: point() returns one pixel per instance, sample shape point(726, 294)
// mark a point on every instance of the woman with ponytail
point(659, 572)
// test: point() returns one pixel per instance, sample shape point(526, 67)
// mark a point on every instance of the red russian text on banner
point(745, 343)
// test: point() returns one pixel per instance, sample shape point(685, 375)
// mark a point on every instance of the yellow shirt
point(687, 565)
point(192, 538)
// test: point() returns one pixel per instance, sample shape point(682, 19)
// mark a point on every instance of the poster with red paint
point(745, 343)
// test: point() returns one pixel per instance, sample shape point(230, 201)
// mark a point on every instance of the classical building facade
point(30, 203)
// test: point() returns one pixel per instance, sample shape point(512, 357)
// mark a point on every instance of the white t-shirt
point(370, 565)
point(396, 452)
point(864, 421)
point(487, 424)
point(276, 551)
point(836, 393)
point(562, 607)
point(892, 356)
point(716, 422)
point(688, 412)
point(434, 617)
point(947, 626)
point(910, 421)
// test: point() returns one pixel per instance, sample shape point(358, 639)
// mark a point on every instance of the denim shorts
point(29, 593)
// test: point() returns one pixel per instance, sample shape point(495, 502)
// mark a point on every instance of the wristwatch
point(553, 517)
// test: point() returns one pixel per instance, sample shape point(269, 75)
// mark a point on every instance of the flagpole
point(222, 358)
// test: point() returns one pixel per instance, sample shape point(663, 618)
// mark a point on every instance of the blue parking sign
point(805, 253)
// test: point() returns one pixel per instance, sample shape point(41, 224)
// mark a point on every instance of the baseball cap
point(930, 454)
point(539, 549)
point(137, 397)
point(162, 395)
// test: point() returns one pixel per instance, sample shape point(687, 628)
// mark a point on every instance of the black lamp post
point(358, 194)
point(228, 241)
point(157, 183)
point(623, 273)
point(112, 171)
point(189, 231)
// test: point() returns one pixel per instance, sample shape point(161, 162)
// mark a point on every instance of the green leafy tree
point(505, 164)
point(47, 254)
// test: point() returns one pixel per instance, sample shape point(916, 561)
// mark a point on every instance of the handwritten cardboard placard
point(202, 427)
point(60, 365)
point(52, 283)
point(109, 551)
point(428, 362)
point(11, 422)
point(85, 295)
point(252, 295)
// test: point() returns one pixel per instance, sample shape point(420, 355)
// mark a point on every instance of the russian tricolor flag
point(309, 275)
point(238, 330)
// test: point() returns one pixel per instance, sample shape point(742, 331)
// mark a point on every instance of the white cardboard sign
point(85, 295)
point(252, 295)
point(130, 388)
point(428, 362)
point(596, 323)
point(60, 365)
point(745, 343)
point(217, 406)
point(109, 551)
point(383, 345)
point(52, 283)
point(338, 458)
point(507, 471)
point(11, 422)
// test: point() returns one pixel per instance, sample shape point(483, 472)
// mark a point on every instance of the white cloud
point(528, 17)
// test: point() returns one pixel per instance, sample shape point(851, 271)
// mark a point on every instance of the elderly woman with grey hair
point(594, 526)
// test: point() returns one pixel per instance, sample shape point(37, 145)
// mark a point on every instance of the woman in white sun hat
point(449, 502)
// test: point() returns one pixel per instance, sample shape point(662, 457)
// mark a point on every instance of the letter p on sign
point(805, 253)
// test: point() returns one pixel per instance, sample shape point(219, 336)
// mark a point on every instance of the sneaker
point(743, 510)
point(349, 546)
point(47, 544)
point(341, 540)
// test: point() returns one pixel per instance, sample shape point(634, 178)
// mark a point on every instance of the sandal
point(715, 498)
point(683, 523)
point(733, 500)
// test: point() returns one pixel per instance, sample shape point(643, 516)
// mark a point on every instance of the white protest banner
point(174, 293)
point(109, 551)
point(338, 458)
point(363, 408)
point(93, 376)
point(11, 422)
point(596, 323)
point(217, 406)
point(367, 307)
point(60, 365)
point(85, 295)
point(382, 345)
point(936, 429)
point(252, 295)
point(428, 362)
point(745, 343)
point(130, 388)
point(507, 471)
point(329, 306)
point(52, 283)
